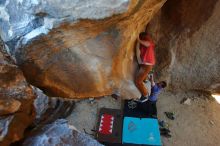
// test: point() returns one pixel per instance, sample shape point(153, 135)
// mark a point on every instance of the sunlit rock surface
point(29, 18)
point(77, 49)
point(86, 48)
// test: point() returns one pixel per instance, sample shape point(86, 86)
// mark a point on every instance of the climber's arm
point(145, 43)
point(152, 80)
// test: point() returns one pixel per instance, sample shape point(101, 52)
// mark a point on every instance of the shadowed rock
point(188, 47)
point(59, 133)
point(16, 101)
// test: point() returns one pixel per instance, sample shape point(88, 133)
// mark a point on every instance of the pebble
point(91, 100)
point(186, 101)
point(211, 122)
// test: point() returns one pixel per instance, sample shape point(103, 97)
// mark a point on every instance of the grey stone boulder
point(59, 133)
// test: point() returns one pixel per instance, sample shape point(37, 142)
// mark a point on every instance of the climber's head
point(162, 84)
point(143, 36)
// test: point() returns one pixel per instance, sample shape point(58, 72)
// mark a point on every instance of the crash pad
point(141, 131)
point(109, 126)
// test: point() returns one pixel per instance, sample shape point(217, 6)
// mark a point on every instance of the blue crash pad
point(144, 131)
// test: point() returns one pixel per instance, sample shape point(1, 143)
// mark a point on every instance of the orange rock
point(90, 58)
point(16, 102)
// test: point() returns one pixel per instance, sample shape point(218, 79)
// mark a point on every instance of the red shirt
point(147, 53)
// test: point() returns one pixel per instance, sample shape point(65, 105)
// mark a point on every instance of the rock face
point(85, 52)
point(22, 105)
point(187, 35)
point(78, 49)
point(59, 133)
point(49, 109)
point(20, 17)
point(16, 101)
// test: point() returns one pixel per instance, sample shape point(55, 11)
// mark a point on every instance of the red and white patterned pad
point(106, 124)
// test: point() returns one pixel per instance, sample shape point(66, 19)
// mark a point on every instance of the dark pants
point(149, 107)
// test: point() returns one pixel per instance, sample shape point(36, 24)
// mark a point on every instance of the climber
point(149, 107)
point(146, 60)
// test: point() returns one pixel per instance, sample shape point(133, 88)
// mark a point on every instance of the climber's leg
point(141, 76)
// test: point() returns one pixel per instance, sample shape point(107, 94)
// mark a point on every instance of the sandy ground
point(197, 124)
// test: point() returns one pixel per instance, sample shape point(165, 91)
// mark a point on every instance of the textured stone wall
point(16, 101)
point(187, 35)
point(22, 20)
point(59, 133)
point(78, 57)
point(86, 49)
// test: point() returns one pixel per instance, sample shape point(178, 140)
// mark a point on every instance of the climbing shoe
point(170, 115)
point(165, 132)
point(163, 124)
point(142, 99)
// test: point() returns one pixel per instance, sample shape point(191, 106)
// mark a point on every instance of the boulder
point(16, 101)
point(59, 133)
point(49, 109)
point(77, 49)
point(23, 106)
point(187, 35)
point(86, 49)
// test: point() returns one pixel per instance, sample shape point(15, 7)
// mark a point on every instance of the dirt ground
point(197, 124)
